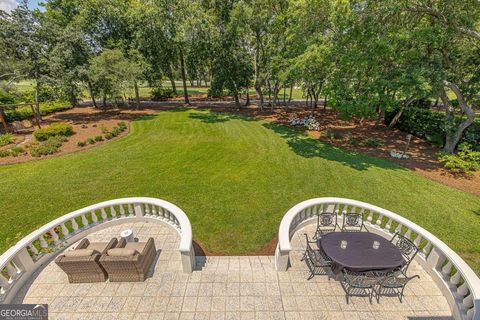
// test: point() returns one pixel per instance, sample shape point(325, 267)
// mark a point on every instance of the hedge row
point(429, 124)
point(25, 112)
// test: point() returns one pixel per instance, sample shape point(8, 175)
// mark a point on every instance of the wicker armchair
point(326, 223)
point(360, 284)
point(353, 222)
point(82, 264)
point(129, 261)
point(316, 260)
point(393, 284)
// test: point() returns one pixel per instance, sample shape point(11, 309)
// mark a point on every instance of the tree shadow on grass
point(308, 147)
point(217, 117)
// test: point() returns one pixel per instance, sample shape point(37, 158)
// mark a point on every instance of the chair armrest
point(113, 242)
point(121, 243)
point(149, 246)
point(83, 244)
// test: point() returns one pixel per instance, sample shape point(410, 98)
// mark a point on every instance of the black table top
point(359, 255)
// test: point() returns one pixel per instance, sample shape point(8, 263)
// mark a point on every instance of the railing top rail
point(185, 226)
point(468, 274)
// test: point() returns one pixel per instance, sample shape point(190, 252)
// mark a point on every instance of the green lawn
point(234, 177)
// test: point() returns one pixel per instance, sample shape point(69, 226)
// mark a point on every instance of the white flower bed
point(399, 155)
point(308, 122)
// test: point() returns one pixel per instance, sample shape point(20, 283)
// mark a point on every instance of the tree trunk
point(454, 137)
point(257, 83)
point(184, 78)
point(90, 89)
point(400, 112)
point(172, 81)
point(137, 94)
point(104, 102)
point(37, 101)
point(289, 98)
point(325, 102)
point(247, 102)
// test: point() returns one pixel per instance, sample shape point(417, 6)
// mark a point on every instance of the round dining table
point(358, 252)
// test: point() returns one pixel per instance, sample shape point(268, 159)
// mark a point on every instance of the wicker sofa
point(82, 264)
point(129, 261)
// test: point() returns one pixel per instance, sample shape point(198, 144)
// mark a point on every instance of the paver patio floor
point(233, 287)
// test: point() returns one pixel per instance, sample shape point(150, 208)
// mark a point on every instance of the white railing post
point(138, 208)
point(24, 260)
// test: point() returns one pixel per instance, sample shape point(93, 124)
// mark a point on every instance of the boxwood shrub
point(53, 130)
point(430, 125)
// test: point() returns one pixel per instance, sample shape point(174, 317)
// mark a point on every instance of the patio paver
point(226, 287)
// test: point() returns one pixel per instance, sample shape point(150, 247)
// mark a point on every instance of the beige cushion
point(80, 253)
point(139, 246)
point(121, 252)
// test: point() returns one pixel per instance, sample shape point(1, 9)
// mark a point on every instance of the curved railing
point(31, 252)
point(455, 278)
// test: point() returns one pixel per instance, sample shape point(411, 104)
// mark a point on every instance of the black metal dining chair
point(326, 222)
point(408, 249)
point(393, 285)
point(358, 284)
point(317, 261)
point(353, 222)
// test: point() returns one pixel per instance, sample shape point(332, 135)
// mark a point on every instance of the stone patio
point(222, 288)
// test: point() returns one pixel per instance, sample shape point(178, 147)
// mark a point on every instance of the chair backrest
point(352, 222)
point(406, 247)
point(327, 221)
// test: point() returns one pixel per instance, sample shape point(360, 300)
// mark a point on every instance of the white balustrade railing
point(19, 262)
point(458, 282)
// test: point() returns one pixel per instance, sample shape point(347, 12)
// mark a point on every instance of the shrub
point(115, 131)
point(430, 125)
point(55, 129)
point(353, 141)
point(122, 126)
point(108, 136)
point(22, 113)
point(47, 147)
point(81, 143)
point(91, 141)
point(4, 153)
point(104, 129)
point(98, 138)
point(159, 94)
point(16, 151)
point(465, 161)
point(373, 143)
point(308, 122)
point(6, 139)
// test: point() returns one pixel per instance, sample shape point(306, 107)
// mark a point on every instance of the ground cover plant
point(235, 178)
point(53, 130)
point(6, 138)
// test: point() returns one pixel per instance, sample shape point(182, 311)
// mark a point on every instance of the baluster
point(65, 230)
point(447, 269)
point(84, 220)
point(12, 271)
point(156, 211)
point(455, 279)
point(113, 213)
point(399, 228)
point(103, 214)
point(370, 216)
point(426, 249)
point(379, 221)
point(470, 313)
point(147, 210)
point(33, 249)
point(4, 283)
point(408, 234)
point(94, 217)
point(320, 209)
point(74, 224)
point(388, 225)
point(418, 239)
point(164, 213)
point(468, 301)
point(54, 235)
point(130, 209)
point(43, 243)
point(353, 210)
point(462, 290)
point(122, 211)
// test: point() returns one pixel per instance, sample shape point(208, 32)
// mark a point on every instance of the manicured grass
point(235, 178)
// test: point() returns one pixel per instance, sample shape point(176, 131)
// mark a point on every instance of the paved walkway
point(226, 288)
